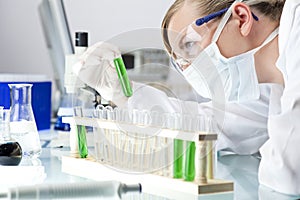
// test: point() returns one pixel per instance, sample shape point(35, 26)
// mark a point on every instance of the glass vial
point(123, 77)
point(178, 159)
point(10, 150)
point(189, 172)
point(81, 135)
point(22, 123)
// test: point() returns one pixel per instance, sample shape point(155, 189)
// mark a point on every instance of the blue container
point(41, 100)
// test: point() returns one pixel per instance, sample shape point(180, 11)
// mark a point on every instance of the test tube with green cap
point(123, 77)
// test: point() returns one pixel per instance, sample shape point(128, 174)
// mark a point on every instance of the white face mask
point(237, 74)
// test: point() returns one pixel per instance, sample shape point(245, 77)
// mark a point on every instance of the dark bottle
point(10, 153)
point(10, 150)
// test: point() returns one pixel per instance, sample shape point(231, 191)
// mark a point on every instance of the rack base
point(151, 183)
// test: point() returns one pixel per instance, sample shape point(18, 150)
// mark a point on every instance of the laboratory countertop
point(242, 170)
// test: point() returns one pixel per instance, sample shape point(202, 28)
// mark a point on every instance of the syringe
point(106, 189)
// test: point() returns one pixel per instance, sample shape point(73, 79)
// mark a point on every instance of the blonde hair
point(269, 8)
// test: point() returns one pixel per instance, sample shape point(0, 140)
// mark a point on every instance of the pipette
point(105, 189)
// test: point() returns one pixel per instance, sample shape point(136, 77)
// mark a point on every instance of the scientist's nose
point(182, 63)
point(185, 66)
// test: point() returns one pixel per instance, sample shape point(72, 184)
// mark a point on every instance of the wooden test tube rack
point(204, 182)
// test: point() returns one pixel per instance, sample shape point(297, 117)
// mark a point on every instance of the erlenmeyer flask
point(22, 123)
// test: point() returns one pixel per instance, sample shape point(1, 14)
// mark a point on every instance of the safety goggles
point(193, 39)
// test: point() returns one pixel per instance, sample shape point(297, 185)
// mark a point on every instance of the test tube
point(81, 134)
point(125, 116)
point(189, 172)
point(99, 135)
point(146, 121)
point(117, 112)
point(210, 149)
point(178, 150)
point(166, 124)
point(136, 117)
point(123, 77)
point(152, 161)
point(130, 153)
point(111, 136)
point(110, 113)
point(100, 112)
point(201, 172)
point(118, 133)
point(156, 119)
point(148, 153)
point(173, 148)
point(117, 136)
point(204, 160)
point(141, 152)
point(147, 141)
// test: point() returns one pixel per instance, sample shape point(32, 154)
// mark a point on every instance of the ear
point(242, 13)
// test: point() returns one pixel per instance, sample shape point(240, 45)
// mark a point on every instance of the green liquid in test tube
point(178, 159)
point(189, 173)
point(123, 77)
point(82, 144)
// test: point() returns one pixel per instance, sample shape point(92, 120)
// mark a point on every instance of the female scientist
point(244, 40)
point(249, 107)
point(257, 67)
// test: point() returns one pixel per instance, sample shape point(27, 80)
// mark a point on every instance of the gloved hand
point(97, 70)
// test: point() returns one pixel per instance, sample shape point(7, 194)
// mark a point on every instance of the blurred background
point(23, 47)
point(133, 25)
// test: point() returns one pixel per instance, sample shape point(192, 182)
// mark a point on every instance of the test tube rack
point(148, 160)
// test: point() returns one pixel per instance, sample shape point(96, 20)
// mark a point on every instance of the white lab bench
point(240, 169)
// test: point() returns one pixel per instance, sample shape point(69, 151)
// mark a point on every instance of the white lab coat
point(280, 165)
point(243, 130)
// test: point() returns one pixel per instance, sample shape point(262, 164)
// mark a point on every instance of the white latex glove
point(97, 70)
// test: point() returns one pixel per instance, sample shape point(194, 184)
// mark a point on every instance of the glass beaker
point(10, 150)
point(22, 123)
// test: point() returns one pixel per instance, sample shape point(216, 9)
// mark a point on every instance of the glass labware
point(22, 123)
point(178, 150)
point(81, 134)
point(10, 150)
